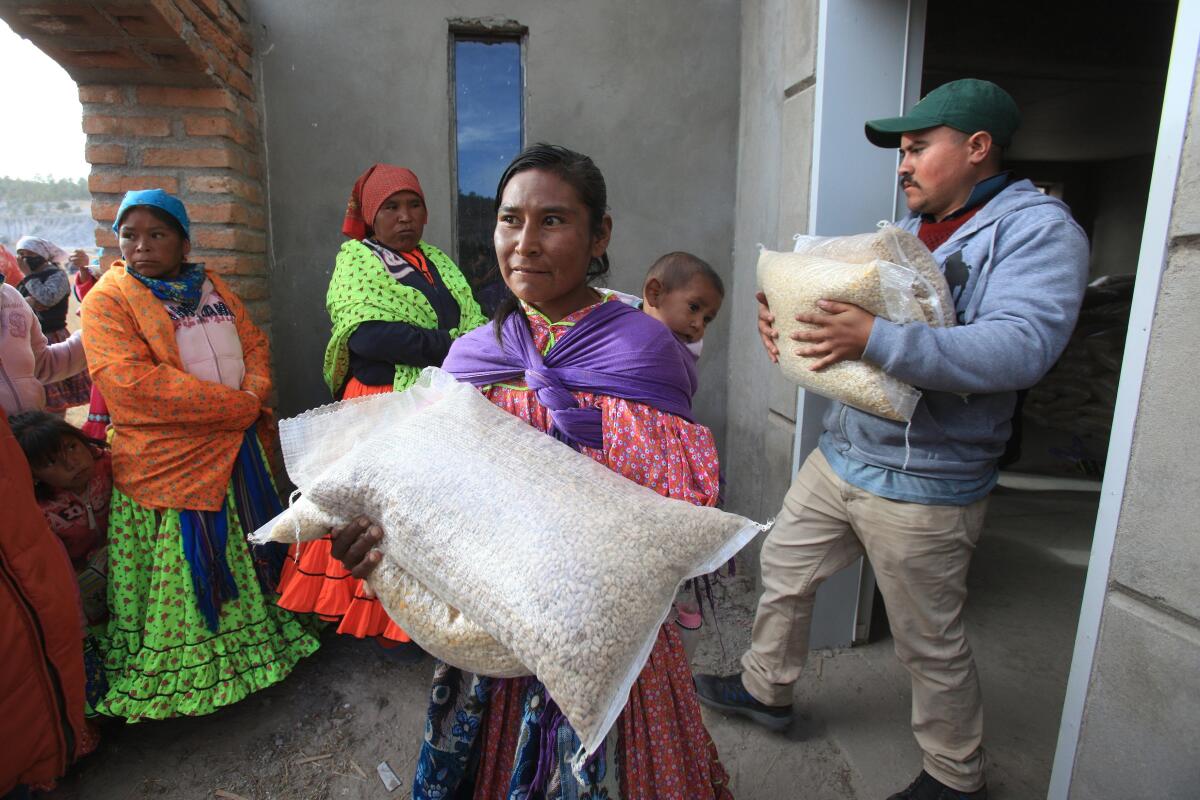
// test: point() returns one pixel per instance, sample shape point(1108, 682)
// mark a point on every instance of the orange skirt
point(314, 582)
point(356, 388)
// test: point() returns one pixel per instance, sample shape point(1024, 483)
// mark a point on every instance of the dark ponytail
point(584, 176)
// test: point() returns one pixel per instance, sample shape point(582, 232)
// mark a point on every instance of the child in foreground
point(72, 481)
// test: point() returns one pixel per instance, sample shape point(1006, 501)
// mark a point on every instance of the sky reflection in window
point(488, 132)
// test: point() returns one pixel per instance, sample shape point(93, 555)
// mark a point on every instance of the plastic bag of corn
point(851, 269)
point(487, 563)
point(896, 246)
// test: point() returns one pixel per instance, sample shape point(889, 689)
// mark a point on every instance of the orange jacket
point(176, 437)
point(41, 636)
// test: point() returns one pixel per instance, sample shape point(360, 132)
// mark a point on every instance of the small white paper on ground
point(390, 781)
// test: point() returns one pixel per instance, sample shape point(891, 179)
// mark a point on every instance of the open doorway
point(1090, 87)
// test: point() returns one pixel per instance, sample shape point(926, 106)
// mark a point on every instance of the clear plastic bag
point(505, 551)
point(890, 273)
point(896, 246)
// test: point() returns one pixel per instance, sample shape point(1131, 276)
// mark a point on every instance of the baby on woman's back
point(682, 292)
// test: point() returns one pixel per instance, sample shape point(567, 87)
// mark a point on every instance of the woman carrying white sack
point(492, 737)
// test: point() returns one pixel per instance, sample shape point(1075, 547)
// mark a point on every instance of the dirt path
point(322, 732)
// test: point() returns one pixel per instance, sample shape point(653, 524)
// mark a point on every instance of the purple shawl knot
point(615, 350)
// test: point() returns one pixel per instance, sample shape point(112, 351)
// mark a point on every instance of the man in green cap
point(913, 498)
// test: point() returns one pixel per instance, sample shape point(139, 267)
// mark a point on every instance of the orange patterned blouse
point(175, 436)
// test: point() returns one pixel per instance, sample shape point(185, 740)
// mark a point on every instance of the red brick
point(174, 55)
point(170, 13)
point(244, 61)
point(214, 184)
point(229, 22)
point(105, 237)
point(117, 183)
point(98, 124)
point(144, 23)
point(237, 265)
point(229, 239)
point(228, 212)
point(215, 125)
point(223, 157)
point(240, 81)
point(104, 210)
point(108, 258)
point(249, 112)
point(114, 58)
point(105, 154)
point(96, 93)
point(239, 8)
point(72, 19)
point(182, 97)
point(207, 30)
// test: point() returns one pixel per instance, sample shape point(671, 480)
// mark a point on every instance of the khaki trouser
point(920, 554)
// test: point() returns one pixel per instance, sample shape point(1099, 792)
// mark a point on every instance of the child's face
point(686, 310)
point(71, 468)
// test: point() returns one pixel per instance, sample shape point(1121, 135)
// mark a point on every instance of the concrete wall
point(1142, 716)
point(649, 91)
point(779, 40)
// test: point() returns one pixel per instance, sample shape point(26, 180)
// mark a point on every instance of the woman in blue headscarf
point(193, 625)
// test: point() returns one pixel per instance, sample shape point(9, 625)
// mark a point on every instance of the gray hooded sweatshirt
point(1017, 270)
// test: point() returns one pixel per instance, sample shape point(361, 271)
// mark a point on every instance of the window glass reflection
point(488, 134)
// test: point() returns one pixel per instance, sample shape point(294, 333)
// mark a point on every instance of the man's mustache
point(905, 182)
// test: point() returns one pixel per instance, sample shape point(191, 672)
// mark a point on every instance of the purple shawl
point(615, 350)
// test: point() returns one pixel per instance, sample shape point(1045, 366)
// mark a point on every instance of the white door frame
point(864, 71)
point(1151, 262)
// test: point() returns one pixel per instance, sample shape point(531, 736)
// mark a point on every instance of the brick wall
point(168, 98)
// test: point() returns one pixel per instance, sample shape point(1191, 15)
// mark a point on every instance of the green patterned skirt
point(160, 658)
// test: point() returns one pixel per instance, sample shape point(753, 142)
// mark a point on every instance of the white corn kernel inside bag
point(529, 548)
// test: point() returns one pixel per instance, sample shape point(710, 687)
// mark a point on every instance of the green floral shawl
point(362, 290)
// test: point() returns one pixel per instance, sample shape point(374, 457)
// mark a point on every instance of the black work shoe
point(927, 787)
point(730, 695)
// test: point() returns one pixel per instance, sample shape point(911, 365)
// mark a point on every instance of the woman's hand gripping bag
point(505, 552)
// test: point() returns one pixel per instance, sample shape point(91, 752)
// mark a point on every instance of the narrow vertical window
point(488, 133)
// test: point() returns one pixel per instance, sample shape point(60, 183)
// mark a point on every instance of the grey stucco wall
point(774, 164)
point(650, 91)
point(1142, 714)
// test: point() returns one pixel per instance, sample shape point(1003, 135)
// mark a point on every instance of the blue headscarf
point(159, 199)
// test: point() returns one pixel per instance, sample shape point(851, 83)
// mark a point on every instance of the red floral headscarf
point(374, 186)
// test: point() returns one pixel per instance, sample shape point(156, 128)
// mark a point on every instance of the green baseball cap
point(967, 105)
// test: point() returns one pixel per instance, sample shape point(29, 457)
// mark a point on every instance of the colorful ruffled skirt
point(162, 657)
point(314, 582)
point(502, 738)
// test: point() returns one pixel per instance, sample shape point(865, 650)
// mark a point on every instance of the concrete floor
point(321, 733)
point(1025, 584)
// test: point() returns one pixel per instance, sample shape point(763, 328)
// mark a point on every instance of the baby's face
point(688, 309)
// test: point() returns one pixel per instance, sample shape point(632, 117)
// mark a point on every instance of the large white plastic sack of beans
point(850, 269)
point(505, 551)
